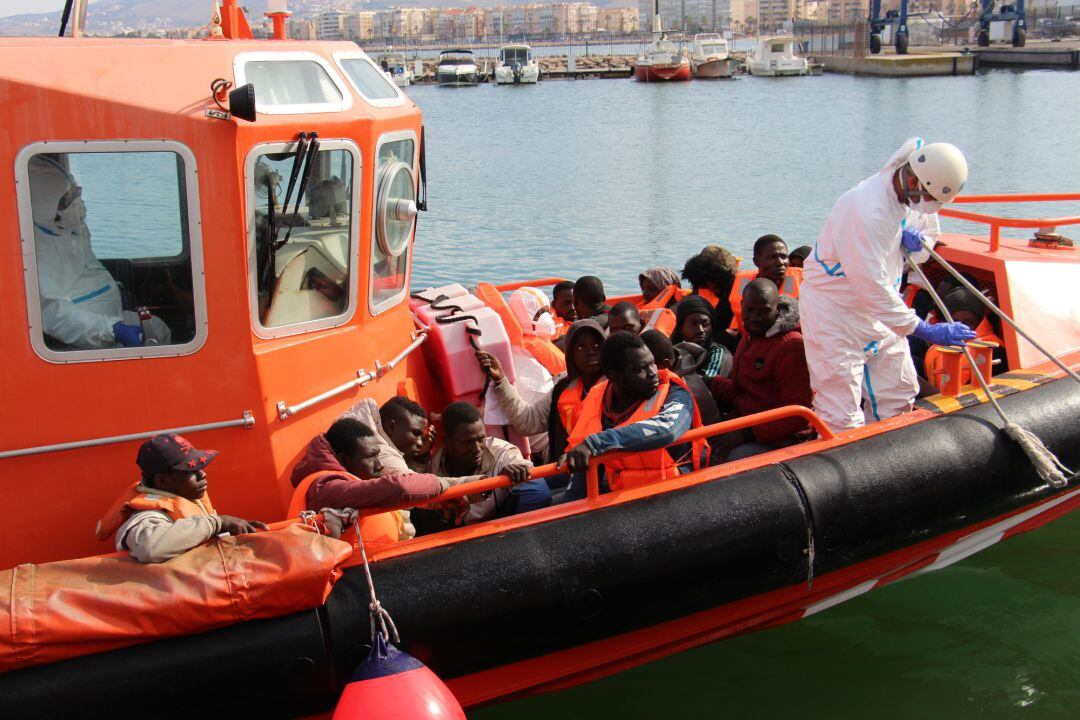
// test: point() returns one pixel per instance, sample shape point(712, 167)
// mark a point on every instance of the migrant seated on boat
point(694, 324)
point(625, 316)
point(638, 409)
point(562, 304)
point(711, 274)
point(964, 307)
point(467, 450)
point(590, 300)
point(168, 512)
point(341, 469)
point(771, 262)
point(769, 372)
point(684, 360)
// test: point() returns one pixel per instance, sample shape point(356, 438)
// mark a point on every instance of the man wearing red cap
point(168, 512)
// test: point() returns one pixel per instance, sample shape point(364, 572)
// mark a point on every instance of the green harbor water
point(609, 177)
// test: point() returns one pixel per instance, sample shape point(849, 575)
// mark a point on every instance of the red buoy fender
point(393, 685)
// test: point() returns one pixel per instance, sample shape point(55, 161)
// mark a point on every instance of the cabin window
point(395, 219)
point(291, 82)
point(114, 249)
point(302, 226)
point(778, 47)
point(368, 79)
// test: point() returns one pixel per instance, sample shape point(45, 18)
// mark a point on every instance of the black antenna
point(65, 16)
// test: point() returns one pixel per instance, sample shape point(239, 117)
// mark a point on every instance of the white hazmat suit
point(854, 321)
point(80, 300)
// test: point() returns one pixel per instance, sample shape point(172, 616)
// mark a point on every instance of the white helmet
point(941, 168)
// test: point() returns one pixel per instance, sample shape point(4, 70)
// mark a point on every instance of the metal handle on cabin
point(363, 377)
point(247, 421)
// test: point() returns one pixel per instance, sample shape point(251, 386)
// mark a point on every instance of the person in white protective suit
point(80, 301)
point(531, 309)
point(855, 324)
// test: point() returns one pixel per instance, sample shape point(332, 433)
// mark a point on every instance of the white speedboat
point(776, 56)
point(397, 67)
point(710, 57)
point(516, 66)
point(456, 68)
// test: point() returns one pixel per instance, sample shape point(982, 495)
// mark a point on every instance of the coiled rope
point(1046, 463)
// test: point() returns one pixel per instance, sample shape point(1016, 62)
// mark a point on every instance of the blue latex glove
point(954, 333)
point(912, 240)
point(128, 335)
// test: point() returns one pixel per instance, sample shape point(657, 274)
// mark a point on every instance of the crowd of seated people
point(627, 386)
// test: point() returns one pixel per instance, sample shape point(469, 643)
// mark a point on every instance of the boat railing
point(996, 223)
point(592, 476)
point(363, 377)
point(247, 420)
point(539, 282)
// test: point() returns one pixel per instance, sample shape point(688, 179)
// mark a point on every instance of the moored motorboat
point(397, 67)
point(662, 60)
point(776, 57)
point(710, 57)
point(272, 306)
point(456, 68)
point(516, 66)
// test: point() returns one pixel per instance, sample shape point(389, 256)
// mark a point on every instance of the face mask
point(544, 326)
point(926, 207)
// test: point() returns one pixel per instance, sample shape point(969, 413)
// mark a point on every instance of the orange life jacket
point(667, 297)
point(709, 296)
point(639, 468)
point(379, 530)
point(569, 404)
point(909, 295)
point(792, 281)
point(133, 501)
point(935, 361)
point(545, 352)
point(660, 319)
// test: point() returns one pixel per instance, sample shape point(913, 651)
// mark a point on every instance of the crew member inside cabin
point(797, 256)
point(854, 322)
point(589, 300)
point(81, 302)
point(341, 469)
point(966, 308)
point(638, 409)
point(562, 302)
point(684, 364)
point(467, 450)
point(624, 316)
point(168, 512)
point(711, 273)
point(770, 262)
point(694, 325)
point(660, 283)
point(769, 372)
point(556, 412)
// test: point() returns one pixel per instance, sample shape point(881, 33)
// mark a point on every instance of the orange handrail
point(996, 223)
point(592, 481)
point(539, 282)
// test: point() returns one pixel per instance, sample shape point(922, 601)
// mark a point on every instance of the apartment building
point(687, 15)
point(330, 25)
point(359, 26)
point(399, 23)
point(617, 20)
point(772, 14)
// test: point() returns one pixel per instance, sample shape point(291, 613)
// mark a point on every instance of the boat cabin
point(708, 45)
point(510, 54)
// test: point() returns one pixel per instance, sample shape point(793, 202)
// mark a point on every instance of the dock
point(915, 64)
point(1041, 54)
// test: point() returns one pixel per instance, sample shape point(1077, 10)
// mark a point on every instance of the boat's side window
point(302, 225)
point(394, 222)
point(370, 81)
point(116, 255)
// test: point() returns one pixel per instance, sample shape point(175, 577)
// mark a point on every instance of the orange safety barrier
point(65, 609)
point(539, 282)
point(996, 223)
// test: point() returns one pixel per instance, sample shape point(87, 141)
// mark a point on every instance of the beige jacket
point(497, 456)
point(152, 536)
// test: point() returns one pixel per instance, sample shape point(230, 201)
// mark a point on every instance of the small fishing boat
point(274, 274)
point(456, 68)
point(516, 66)
point(662, 60)
point(397, 67)
point(710, 57)
point(775, 57)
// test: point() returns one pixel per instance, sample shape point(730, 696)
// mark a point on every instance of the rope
point(380, 618)
point(993, 308)
point(1046, 463)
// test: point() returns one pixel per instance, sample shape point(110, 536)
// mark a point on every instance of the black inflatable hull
point(493, 601)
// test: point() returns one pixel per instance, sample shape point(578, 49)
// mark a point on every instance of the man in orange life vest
point(638, 409)
point(168, 512)
point(624, 316)
point(712, 273)
point(562, 303)
point(341, 469)
point(771, 262)
point(966, 308)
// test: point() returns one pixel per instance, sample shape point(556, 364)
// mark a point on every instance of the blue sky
point(18, 7)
